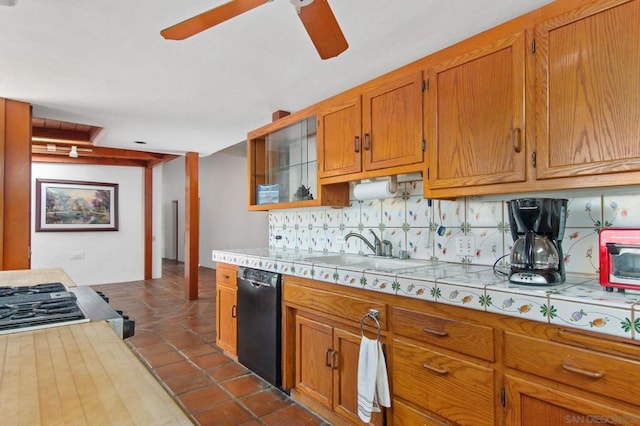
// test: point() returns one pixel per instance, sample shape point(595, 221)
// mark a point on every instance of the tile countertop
point(580, 302)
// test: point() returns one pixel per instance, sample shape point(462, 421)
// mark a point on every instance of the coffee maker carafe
point(537, 227)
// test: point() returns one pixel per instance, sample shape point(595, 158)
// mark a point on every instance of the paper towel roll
point(373, 190)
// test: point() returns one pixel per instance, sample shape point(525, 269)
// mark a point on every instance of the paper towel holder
point(370, 189)
point(393, 182)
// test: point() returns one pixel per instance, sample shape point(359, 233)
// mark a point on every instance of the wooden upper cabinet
point(373, 130)
point(392, 123)
point(339, 133)
point(474, 116)
point(282, 159)
point(588, 91)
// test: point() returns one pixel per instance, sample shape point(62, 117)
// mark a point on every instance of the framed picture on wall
point(66, 205)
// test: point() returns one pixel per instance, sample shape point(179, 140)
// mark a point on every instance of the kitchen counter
point(80, 374)
point(579, 303)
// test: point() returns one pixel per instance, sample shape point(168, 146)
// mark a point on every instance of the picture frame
point(68, 205)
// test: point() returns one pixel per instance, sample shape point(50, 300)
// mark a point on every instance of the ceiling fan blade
point(210, 18)
point(321, 25)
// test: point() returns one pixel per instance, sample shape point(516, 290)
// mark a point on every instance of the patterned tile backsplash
point(428, 229)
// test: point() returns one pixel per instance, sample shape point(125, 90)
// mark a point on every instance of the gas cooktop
point(38, 306)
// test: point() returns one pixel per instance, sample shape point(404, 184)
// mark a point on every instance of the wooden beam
point(3, 103)
point(99, 156)
point(148, 223)
point(71, 137)
point(40, 158)
point(192, 227)
point(62, 149)
point(16, 235)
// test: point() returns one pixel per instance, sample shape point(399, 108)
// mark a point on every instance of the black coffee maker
point(537, 227)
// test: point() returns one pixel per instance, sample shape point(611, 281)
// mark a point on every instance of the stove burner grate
point(36, 305)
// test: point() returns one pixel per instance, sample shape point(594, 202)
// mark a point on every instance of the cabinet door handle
point(590, 374)
point(439, 333)
point(517, 139)
point(327, 355)
point(435, 369)
point(226, 277)
point(356, 142)
point(234, 311)
point(334, 360)
point(367, 142)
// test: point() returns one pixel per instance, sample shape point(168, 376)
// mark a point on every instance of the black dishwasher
point(259, 323)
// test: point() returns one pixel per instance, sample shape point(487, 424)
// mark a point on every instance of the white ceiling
point(104, 63)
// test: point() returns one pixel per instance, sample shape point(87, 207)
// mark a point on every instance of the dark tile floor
point(175, 339)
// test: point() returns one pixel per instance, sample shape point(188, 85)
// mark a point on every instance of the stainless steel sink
point(369, 262)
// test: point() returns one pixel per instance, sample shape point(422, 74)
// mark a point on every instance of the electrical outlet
point(465, 245)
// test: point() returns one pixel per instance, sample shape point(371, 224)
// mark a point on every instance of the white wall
point(109, 257)
point(173, 188)
point(225, 221)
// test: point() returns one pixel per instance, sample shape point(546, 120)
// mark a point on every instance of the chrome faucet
point(376, 247)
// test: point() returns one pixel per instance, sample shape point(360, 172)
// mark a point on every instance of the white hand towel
point(373, 384)
point(382, 381)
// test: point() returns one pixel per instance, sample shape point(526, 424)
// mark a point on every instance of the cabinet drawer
point(467, 338)
point(453, 388)
point(404, 415)
point(226, 275)
point(347, 307)
point(607, 375)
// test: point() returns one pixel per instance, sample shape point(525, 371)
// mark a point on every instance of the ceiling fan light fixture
point(73, 153)
point(299, 4)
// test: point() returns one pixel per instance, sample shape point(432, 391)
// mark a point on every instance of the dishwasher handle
point(257, 284)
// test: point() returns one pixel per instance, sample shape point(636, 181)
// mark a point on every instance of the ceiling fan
point(316, 16)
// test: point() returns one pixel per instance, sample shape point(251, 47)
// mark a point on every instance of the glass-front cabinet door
point(291, 164)
point(283, 166)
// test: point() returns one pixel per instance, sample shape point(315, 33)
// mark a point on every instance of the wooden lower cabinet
point(534, 403)
point(314, 341)
point(227, 308)
point(454, 366)
point(326, 358)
